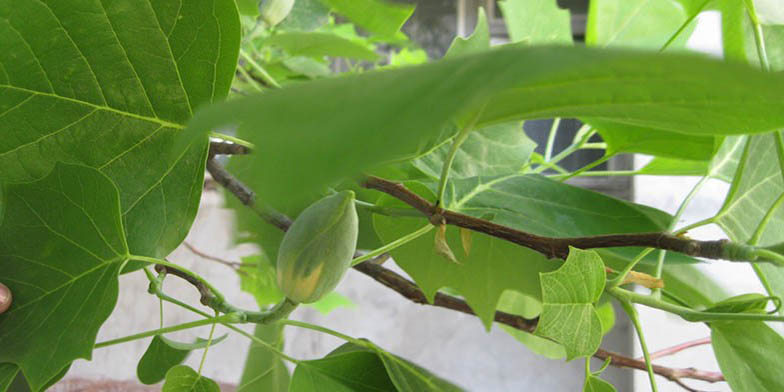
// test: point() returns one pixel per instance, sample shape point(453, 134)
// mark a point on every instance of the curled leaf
point(465, 239)
point(644, 280)
point(442, 247)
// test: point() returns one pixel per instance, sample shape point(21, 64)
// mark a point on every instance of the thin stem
point(635, 318)
point(763, 278)
point(256, 85)
point(226, 318)
point(594, 146)
point(392, 245)
point(704, 222)
point(548, 151)
point(207, 348)
point(231, 264)
point(673, 223)
point(585, 168)
point(325, 330)
point(687, 314)
point(544, 165)
point(578, 144)
point(456, 143)
point(265, 76)
point(759, 36)
point(618, 280)
point(232, 139)
point(610, 173)
point(766, 255)
point(387, 211)
point(155, 289)
point(680, 347)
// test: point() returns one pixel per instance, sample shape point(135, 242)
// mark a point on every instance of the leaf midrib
point(155, 120)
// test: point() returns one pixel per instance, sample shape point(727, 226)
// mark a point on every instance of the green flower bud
point(318, 247)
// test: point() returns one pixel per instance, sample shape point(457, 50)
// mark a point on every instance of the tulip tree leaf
point(382, 17)
point(110, 85)
point(264, 370)
point(317, 44)
point(62, 246)
point(494, 150)
point(749, 354)
point(537, 22)
point(348, 368)
point(307, 15)
point(596, 384)
point(755, 188)
point(162, 354)
point(8, 372)
point(530, 203)
point(184, 379)
point(647, 25)
point(639, 24)
point(354, 368)
point(477, 42)
point(492, 266)
point(678, 93)
point(568, 297)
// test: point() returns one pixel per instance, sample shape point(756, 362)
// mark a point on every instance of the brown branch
point(552, 247)
point(207, 296)
point(227, 148)
point(245, 195)
point(412, 292)
point(232, 264)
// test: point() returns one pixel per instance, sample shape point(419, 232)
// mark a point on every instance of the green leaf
point(317, 44)
point(621, 138)
point(111, 86)
point(528, 307)
point(162, 354)
point(649, 25)
point(749, 354)
point(537, 22)
point(313, 124)
point(492, 266)
point(568, 297)
point(409, 377)
point(264, 370)
point(596, 384)
point(184, 379)
point(307, 66)
point(20, 384)
point(348, 368)
point(660, 166)
point(495, 150)
point(753, 303)
point(62, 246)
point(330, 302)
point(756, 186)
point(260, 280)
point(606, 314)
point(248, 7)
point(477, 42)
point(378, 16)
point(407, 56)
point(307, 15)
point(640, 24)
point(8, 372)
